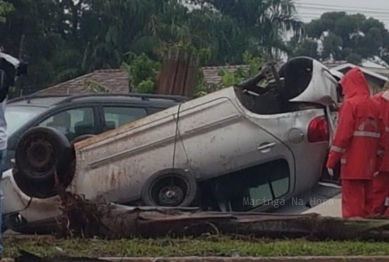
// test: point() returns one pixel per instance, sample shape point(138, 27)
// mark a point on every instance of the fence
point(178, 75)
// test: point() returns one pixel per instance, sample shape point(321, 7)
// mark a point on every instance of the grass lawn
point(211, 246)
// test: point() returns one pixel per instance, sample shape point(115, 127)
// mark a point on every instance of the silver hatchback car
point(238, 149)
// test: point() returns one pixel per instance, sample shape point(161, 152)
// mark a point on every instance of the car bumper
point(18, 223)
point(20, 209)
point(14, 200)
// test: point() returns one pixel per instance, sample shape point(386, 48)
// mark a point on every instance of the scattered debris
point(87, 219)
point(80, 217)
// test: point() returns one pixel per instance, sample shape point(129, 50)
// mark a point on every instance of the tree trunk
point(83, 218)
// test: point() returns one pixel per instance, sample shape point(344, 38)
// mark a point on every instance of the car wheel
point(41, 153)
point(171, 188)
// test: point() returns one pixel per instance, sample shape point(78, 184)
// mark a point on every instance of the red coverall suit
point(381, 180)
point(355, 144)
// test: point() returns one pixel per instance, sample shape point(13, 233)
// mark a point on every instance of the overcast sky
point(311, 9)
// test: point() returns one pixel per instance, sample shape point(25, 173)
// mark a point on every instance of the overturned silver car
point(237, 149)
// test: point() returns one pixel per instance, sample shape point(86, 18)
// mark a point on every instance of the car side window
point(251, 188)
point(73, 123)
point(118, 116)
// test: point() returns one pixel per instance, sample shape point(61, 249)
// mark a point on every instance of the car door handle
point(266, 146)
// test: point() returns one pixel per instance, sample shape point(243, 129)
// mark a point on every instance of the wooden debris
point(83, 218)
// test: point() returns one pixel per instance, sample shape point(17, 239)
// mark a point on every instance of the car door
point(115, 116)
point(332, 116)
point(235, 153)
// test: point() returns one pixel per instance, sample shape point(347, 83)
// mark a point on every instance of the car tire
point(41, 153)
point(170, 188)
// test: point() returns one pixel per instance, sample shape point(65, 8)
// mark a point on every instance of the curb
point(240, 259)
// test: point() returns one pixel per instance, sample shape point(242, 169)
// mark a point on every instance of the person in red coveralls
point(355, 144)
point(381, 176)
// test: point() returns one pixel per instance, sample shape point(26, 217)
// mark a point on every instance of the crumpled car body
point(240, 153)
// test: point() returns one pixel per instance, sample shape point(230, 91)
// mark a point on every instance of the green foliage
point(230, 78)
point(146, 86)
point(303, 46)
point(5, 8)
point(203, 54)
point(94, 87)
point(100, 34)
point(254, 63)
point(350, 37)
point(240, 74)
point(143, 72)
point(201, 86)
point(354, 59)
point(210, 245)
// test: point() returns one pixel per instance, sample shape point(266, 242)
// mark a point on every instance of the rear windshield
point(17, 116)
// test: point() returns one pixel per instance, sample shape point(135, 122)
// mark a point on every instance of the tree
point(62, 39)
point(241, 74)
point(344, 37)
point(303, 47)
point(261, 23)
point(5, 8)
point(31, 32)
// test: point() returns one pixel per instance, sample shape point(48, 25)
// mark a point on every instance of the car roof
point(54, 100)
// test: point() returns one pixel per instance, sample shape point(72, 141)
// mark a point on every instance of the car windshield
point(17, 116)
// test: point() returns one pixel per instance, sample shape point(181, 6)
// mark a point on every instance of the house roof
point(364, 70)
point(211, 73)
point(117, 81)
point(113, 79)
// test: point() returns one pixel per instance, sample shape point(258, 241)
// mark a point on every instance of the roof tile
point(117, 81)
point(114, 79)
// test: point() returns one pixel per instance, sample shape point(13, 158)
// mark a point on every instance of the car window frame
point(119, 105)
point(27, 124)
point(12, 139)
point(151, 108)
point(269, 182)
point(57, 110)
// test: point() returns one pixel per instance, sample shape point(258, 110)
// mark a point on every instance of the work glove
point(330, 172)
